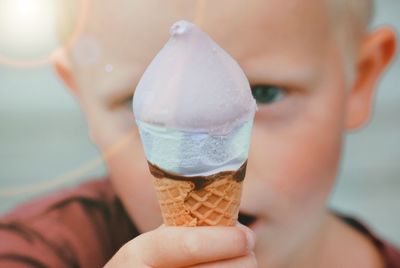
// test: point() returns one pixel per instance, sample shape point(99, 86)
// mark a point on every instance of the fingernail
point(251, 239)
point(250, 235)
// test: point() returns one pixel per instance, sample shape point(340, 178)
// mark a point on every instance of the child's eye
point(267, 94)
point(129, 102)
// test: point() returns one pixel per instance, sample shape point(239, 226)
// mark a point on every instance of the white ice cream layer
point(193, 154)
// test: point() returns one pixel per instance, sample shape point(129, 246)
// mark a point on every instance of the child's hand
point(187, 246)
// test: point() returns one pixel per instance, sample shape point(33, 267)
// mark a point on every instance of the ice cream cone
point(215, 204)
point(194, 110)
point(199, 201)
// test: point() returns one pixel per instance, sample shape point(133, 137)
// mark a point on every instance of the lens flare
point(28, 31)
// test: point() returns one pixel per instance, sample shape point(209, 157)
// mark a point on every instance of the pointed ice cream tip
point(180, 27)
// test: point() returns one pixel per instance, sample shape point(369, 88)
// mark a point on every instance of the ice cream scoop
point(193, 84)
point(194, 110)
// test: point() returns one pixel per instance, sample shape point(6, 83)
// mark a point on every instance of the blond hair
point(358, 13)
point(350, 21)
point(349, 18)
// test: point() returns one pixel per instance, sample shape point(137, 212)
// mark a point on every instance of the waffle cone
point(215, 204)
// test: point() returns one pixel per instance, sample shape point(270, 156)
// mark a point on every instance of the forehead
point(270, 22)
point(236, 24)
point(292, 32)
point(295, 32)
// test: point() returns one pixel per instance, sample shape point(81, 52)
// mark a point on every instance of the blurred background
point(44, 142)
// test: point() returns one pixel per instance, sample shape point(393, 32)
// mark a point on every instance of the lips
point(246, 219)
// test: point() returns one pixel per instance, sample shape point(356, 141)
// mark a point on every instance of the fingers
point(185, 246)
point(248, 261)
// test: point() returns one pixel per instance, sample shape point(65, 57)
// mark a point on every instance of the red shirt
point(85, 227)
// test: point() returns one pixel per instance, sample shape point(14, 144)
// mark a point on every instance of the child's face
point(297, 135)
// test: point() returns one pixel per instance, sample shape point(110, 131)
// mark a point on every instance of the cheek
point(295, 163)
point(115, 133)
point(132, 182)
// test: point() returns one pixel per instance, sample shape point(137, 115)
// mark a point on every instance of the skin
point(297, 139)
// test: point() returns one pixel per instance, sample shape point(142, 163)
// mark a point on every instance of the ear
point(376, 52)
point(62, 67)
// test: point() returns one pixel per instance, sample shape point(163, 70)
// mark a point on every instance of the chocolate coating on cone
point(199, 181)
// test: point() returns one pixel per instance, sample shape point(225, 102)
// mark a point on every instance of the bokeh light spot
point(109, 68)
point(28, 30)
